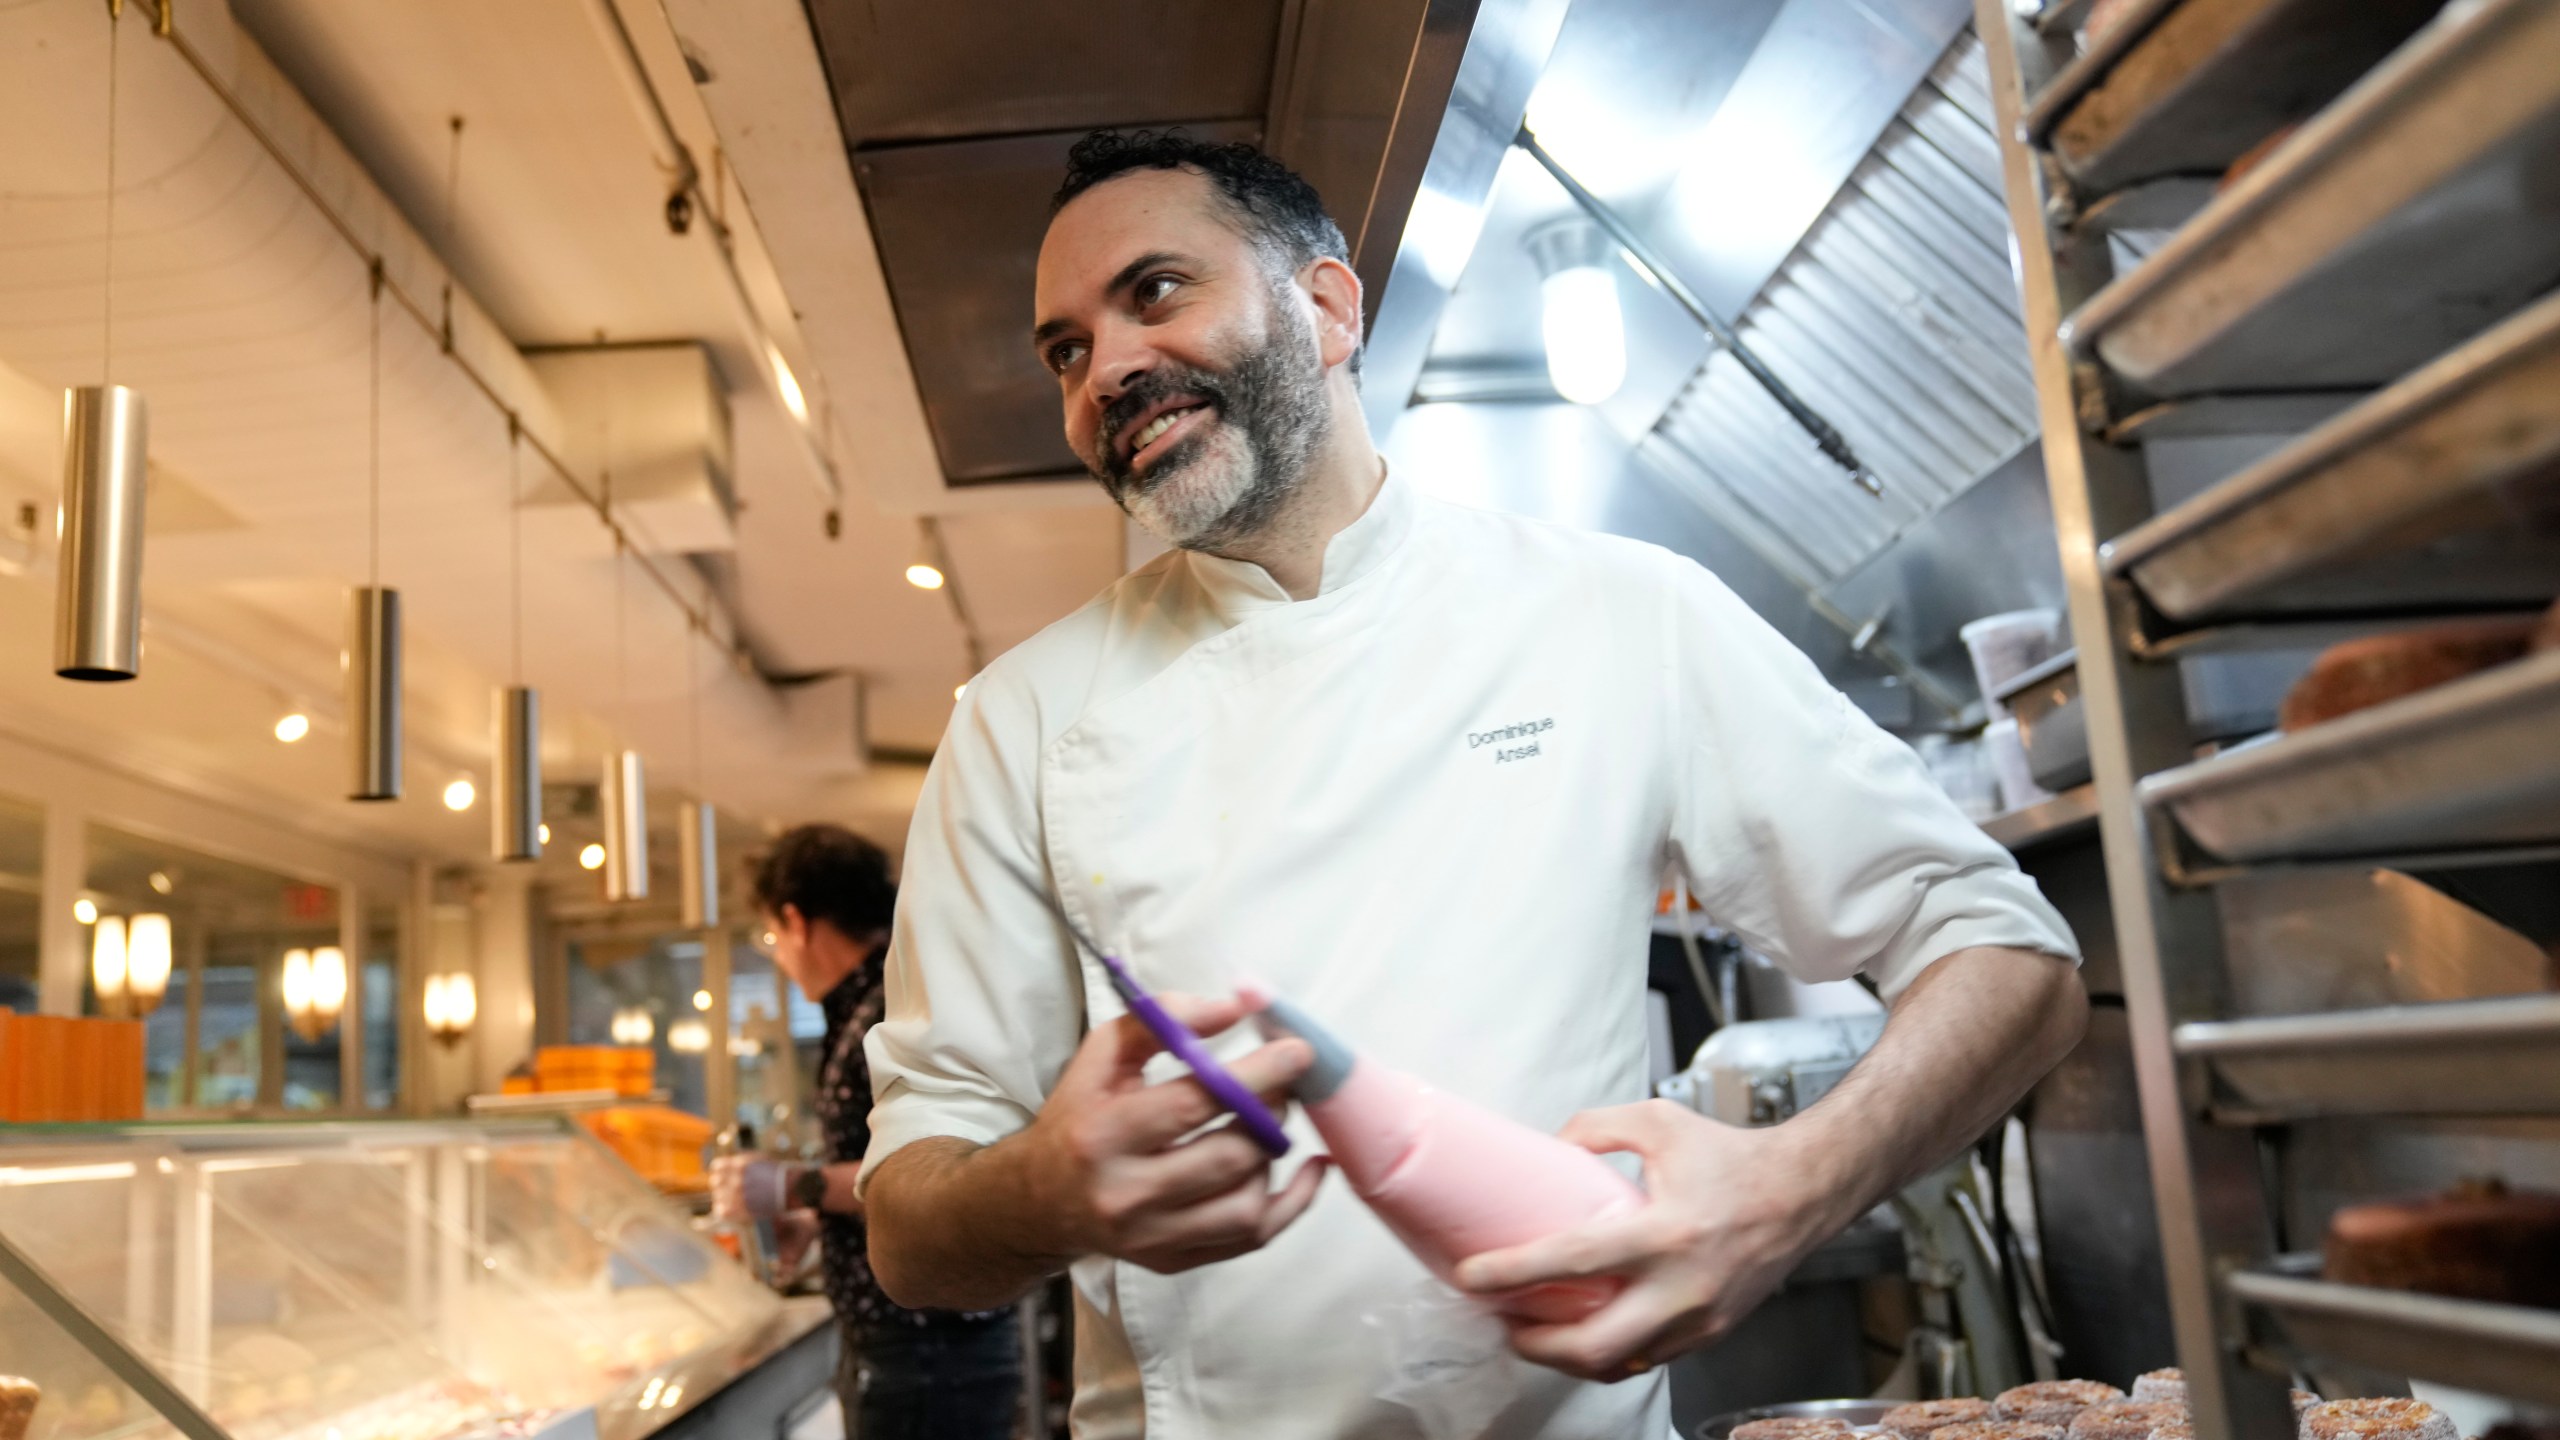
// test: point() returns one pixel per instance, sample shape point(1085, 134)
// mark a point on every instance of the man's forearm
point(955, 1226)
point(1970, 1036)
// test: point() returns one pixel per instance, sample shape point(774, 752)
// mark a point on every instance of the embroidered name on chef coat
point(1512, 742)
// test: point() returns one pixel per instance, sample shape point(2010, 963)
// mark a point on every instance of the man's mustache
point(1150, 390)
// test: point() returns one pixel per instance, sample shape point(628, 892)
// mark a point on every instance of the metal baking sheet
point(2419, 209)
point(2470, 765)
point(2209, 79)
point(2460, 1057)
point(2505, 1350)
point(2440, 492)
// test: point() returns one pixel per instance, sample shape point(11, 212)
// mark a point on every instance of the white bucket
point(2006, 646)
point(2018, 787)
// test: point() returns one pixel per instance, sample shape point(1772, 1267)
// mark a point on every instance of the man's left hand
point(1730, 1213)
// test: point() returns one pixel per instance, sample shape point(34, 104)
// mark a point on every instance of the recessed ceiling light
point(591, 858)
point(701, 999)
point(924, 576)
point(544, 831)
point(293, 727)
point(460, 794)
point(85, 910)
point(161, 882)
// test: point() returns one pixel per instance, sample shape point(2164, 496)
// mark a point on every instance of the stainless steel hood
point(958, 115)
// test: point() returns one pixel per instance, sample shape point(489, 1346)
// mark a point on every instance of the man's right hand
point(1108, 1156)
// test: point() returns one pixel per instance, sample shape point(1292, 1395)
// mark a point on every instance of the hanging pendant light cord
point(515, 546)
point(107, 302)
point(452, 201)
point(373, 439)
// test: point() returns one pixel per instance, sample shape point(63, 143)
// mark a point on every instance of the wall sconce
point(633, 1025)
point(315, 990)
point(451, 1003)
point(129, 964)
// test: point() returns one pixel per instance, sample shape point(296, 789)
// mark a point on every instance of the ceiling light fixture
point(624, 793)
point(1826, 437)
point(372, 657)
point(701, 999)
point(1579, 318)
point(459, 795)
point(926, 570)
point(293, 727)
point(85, 910)
point(160, 882)
point(542, 832)
point(591, 857)
point(697, 823)
point(793, 399)
point(97, 632)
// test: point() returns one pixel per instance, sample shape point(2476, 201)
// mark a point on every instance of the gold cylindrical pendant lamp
point(515, 814)
point(97, 626)
point(372, 663)
point(626, 827)
point(698, 840)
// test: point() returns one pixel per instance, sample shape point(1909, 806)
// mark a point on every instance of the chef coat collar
point(1238, 587)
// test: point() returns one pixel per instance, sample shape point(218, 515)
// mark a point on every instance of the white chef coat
point(1434, 804)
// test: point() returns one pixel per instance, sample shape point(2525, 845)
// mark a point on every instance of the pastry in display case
point(339, 1282)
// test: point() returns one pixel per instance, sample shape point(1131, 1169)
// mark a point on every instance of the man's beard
point(1229, 481)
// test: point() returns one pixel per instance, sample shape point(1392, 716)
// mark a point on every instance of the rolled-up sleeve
point(1802, 827)
point(983, 1005)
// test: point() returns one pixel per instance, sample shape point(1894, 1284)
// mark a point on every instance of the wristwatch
point(809, 1187)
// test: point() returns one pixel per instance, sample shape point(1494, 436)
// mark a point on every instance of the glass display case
point(343, 1281)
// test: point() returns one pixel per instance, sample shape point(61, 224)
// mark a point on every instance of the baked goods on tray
point(2169, 1384)
point(2380, 1418)
point(2361, 673)
point(2124, 1419)
point(2477, 1241)
point(2053, 1402)
point(1923, 1417)
point(1790, 1427)
point(18, 1398)
point(1998, 1430)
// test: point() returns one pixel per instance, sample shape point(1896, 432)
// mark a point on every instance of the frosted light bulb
point(1585, 333)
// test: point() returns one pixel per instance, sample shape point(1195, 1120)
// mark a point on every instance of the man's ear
point(793, 922)
point(1335, 289)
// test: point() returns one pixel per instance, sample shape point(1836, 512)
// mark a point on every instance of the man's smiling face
point(1193, 384)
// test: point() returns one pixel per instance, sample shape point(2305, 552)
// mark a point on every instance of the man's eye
point(1154, 289)
point(1062, 355)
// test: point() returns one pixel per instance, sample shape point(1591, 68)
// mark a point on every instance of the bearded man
point(1265, 754)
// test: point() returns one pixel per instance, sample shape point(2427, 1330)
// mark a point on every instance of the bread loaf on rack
point(2477, 1241)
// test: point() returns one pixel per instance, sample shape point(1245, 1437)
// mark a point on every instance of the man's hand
point(1110, 1166)
point(1108, 1156)
point(1730, 1214)
point(1732, 1211)
point(750, 1187)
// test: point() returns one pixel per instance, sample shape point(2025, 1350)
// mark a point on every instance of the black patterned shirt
point(844, 1114)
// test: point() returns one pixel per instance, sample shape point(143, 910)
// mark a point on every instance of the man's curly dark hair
point(828, 873)
point(1278, 211)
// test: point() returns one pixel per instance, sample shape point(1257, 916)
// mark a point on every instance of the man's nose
point(1119, 360)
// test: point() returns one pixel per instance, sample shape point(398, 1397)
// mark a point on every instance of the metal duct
point(97, 632)
point(515, 808)
point(626, 826)
point(372, 662)
point(698, 840)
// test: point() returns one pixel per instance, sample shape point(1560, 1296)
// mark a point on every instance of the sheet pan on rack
point(2470, 765)
point(2419, 209)
point(2440, 492)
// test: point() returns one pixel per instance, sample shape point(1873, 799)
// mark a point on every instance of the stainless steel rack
point(2367, 287)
